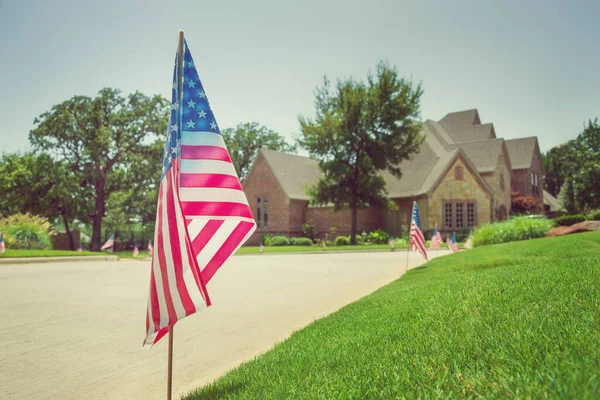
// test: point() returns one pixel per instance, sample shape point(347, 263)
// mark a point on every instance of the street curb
point(38, 260)
point(332, 252)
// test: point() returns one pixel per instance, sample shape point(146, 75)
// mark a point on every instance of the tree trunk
point(354, 222)
point(97, 223)
point(69, 233)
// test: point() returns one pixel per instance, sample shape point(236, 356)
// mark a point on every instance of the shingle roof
point(483, 154)
point(293, 172)
point(521, 151)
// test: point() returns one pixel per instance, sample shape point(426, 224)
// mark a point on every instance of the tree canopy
point(244, 141)
point(101, 139)
point(360, 130)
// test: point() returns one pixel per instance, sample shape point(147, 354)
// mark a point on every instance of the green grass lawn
point(515, 320)
point(12, 253)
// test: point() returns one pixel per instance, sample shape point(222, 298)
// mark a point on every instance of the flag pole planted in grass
point(203, 215)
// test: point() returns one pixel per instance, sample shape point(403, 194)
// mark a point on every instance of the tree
point(525, 204)
point(244, 141)
point(99, 139)
point(39, 185)
point(361, 129)
point(573, 170)
point(558, 161)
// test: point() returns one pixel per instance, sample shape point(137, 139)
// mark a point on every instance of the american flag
point(2, 246)
point(109, 243)
point(451, 242)
point(436, 239)
point(203, 215)
point(150, 247)
point(417, 240)
point(136, 251)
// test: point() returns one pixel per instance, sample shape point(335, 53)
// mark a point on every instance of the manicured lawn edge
point(515, 320)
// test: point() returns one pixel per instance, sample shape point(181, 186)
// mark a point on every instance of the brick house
point(461, 178)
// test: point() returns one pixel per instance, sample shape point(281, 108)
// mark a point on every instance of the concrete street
point(74, 330)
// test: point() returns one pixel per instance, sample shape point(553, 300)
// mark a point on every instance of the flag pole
point(179, 87)
point(407, 253)
point(170, 365)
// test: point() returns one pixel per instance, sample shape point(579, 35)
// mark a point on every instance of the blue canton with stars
point(172, 144)
point(196, 113)
point(416, 216)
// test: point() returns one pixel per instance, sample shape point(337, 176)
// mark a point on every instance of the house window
point(258, 206)
point(502, 182)
point(458, 173)
point(534, 183)
point(262, 209)
point(448, 215)
point(265, 212)
point(460, 214)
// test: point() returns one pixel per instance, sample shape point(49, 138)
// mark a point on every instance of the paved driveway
point(75, 330)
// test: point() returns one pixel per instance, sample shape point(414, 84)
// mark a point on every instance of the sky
point(530, 67)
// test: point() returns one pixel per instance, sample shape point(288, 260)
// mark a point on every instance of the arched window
point(458, 173)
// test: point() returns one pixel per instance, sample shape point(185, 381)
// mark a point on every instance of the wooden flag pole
point(170, 365)
point(179, 88)
point(407, 253)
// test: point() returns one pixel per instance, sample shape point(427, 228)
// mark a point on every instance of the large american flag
point(203, 215)
point(436, 239)
point(417, 240)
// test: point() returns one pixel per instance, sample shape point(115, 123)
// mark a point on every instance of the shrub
point(309, 229)
point(568, 220)
point(342, 241)
point(379, 236)
point(516, 228)
point(279, 241)
point(462, 235)
point(26, 231)
point(301, 241)
point(266, 239)
point(595, 216)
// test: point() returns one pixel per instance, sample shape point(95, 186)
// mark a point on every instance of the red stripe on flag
point(196, 272)
point(182, 289)
point(153, 305)
point(162, 258)
point(210, 181)
point(204, 153)
point(206, 234)
point(234, 239)
point(215, 209)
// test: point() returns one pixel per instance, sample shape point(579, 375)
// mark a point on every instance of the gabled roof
point(292, 172)
point(483, 154)
point(521, 151)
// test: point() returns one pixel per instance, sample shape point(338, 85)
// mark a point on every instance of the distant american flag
point(2, 246)
point(451, 242)
point(203, 215)
point(109, 243)
point(417, 240)
point(436, 239)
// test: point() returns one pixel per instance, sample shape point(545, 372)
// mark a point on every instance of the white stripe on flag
point(170, 267)
point(216, 242)
point(202, 139)
point(188, 276)
point(207, 167)
point(195, 227)
point(212, 194)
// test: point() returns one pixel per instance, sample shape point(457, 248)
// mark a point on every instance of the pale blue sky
point(530, 67)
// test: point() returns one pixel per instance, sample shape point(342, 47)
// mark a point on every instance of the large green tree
point(100, 139)
point(360, 130)
point(573, 170)
point(244, 141)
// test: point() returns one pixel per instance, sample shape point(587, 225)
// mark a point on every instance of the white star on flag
point(191, 124)
point(213, 125)
point(191, 103)
point(201, 94)
point(191, 84)
point(202, 113)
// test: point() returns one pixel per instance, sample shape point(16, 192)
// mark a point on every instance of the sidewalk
point(39, 260)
